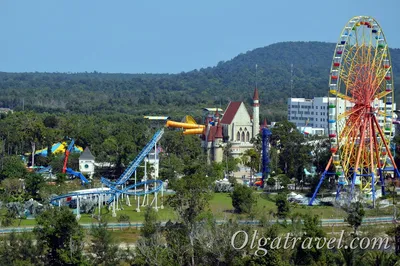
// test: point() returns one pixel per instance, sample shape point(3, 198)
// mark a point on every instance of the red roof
point(230, 112)
point(255, 96)
point(211, 133)
point(218, 134)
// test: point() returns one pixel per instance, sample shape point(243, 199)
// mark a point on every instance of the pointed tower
point(217, 144)
point(264, 125)
point(256, 113)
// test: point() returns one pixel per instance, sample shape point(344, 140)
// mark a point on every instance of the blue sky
point(167, 36)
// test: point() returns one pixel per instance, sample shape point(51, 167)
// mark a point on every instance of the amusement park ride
point(112, 193)
point(69, 170)
point(360, 133)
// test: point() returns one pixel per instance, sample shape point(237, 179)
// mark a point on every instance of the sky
point(167, 36)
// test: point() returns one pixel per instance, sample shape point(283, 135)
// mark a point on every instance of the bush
point(243, 199)
point(124, 218)
point(283, 205)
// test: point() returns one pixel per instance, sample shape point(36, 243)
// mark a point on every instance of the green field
point(221, 206)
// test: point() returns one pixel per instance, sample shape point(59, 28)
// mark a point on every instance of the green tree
point(33, 183)
point(311, 255)
point(230, 163)
point(282, 205)
point(32, 127)
point(13, 167)
point(294, 153)
point(243, 199)
point(271, 182)
point(190, 201)
point(59, 237)
point(18, 249)
point(355, 214)
point(382, 258)
point(251, 158)
point(103, 248)
point(150, 224)
point(61, 178)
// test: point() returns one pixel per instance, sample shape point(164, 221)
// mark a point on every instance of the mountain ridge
point(185, 92)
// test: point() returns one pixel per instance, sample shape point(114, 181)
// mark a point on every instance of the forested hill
point(184, 93)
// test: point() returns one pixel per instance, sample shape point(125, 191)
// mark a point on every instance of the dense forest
point(185, 93)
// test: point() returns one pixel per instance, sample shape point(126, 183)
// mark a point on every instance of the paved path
point(324, 222)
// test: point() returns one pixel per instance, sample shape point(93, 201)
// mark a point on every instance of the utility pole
point(256, 74)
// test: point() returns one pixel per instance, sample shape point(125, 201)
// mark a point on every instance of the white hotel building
point(311, 115)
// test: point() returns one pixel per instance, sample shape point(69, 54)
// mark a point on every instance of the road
point(324, 222)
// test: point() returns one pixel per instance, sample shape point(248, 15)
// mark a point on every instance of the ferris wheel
point(361, 108)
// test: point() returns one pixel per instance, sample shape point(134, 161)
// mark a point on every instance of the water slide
point(77, 174)
point(44, 170)
point(190, 126)
point(59, 147)
point(184, 125)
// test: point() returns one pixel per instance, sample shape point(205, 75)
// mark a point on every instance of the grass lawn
point(221, 206)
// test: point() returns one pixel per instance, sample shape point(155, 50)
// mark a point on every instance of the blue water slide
point(77, 174)
point(136, 162)
point(44, 170)
point(71, 145)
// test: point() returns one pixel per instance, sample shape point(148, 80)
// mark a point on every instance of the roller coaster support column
point(145, 196)
point(114, 214)
point(320, 182)
point(117, 195)
point(162, 197)
point(135, 185)
point(138, 204)
point(128, 201)
point(154, 201)
point(78, 211)
point(99, 198)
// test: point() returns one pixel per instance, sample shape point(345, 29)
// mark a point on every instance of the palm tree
point(251, 158)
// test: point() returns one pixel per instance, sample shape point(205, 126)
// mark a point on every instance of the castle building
point(236, 127)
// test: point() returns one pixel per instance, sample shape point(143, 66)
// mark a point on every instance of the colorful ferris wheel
point(361, 109)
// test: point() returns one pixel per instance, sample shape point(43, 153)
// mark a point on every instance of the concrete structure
point(236, 127)
point(86, 163)
point(311, 115)
point(154, 162)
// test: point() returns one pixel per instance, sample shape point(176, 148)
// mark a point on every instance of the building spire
point(256, 99)
point(265, 123)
